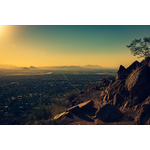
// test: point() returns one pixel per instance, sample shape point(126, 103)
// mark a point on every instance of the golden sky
point(68, 45)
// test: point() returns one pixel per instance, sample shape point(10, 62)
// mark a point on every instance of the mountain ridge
point(8, 66)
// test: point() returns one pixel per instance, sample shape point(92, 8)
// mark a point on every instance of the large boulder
point(137, 83)
point(75, 109)
point(123, 73)
point(108, 113)
point(120, 71)
point(132, 67)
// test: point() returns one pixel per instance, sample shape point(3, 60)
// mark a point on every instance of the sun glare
point(3, 31)
point(1, 27)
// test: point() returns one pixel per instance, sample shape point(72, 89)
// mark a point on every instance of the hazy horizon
point(69, 45)
point(6, 66)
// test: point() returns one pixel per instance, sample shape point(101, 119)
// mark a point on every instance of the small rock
point(118, 100)
point(105, 98)
point(60, 115)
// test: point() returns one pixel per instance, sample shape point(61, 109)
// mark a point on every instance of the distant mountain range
point(73, 67)
point(92, 66)
point(3, 66)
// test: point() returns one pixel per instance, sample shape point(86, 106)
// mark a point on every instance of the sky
point(69, 45)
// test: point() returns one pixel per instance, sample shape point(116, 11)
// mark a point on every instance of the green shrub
point(70, 96)
point(42, 112)
point(60, 102)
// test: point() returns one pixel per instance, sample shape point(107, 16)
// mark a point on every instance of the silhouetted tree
point(140, 48)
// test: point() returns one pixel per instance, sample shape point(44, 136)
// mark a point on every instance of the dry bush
point(70, 96)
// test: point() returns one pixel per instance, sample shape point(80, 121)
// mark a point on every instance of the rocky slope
point(125, 100)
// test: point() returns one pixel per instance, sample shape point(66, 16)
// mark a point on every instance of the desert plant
point(42, 112)
point(59, 102)
point(140, 48)
point(104, 82)
point(70, 96)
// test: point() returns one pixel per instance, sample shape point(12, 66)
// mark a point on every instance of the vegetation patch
point(70, 96)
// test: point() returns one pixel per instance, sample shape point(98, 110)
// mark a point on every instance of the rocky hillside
point(125, 100)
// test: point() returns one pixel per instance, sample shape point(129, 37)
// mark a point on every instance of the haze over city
point(70, 45)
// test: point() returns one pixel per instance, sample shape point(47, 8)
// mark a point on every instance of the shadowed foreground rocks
point(108, 113)
point(125, 100)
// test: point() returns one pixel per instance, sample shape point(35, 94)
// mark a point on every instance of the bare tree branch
point(140, 48)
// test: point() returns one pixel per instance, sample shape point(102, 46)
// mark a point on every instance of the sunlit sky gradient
point(69, 45)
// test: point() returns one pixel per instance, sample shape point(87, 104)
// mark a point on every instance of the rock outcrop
point(137, 82)
point(76, 109)
point(132, 67)
point(120, 73)
point(123, 73)
point(128, 96)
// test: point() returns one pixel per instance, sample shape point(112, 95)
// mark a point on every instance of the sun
point(1, 27)
point(2, 30)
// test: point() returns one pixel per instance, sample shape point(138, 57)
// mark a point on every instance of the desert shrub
point(42, 112)
point(57, 109)
point(140, 48)
point(70, 96)
point(60, 102)
point(104, 82)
